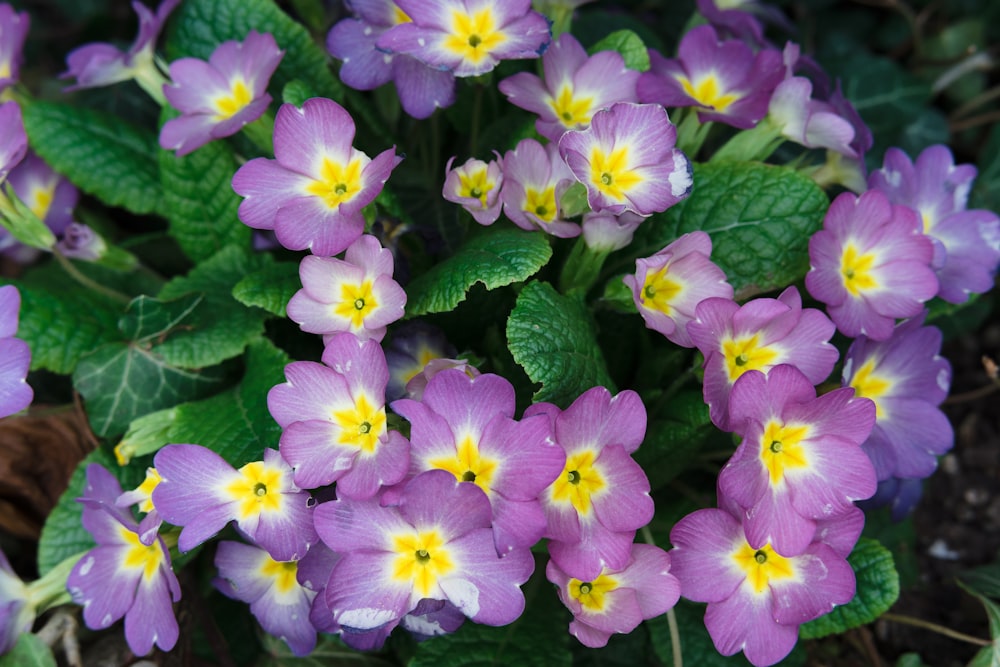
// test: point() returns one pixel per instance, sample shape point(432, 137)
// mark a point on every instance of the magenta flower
point(800, 458)
point(758, 335)
point(13, 31)
point(467, 37)
point(13, 140)
point(312, 193)
point(334, 420)
point(535, 179)
point(465, 425)
point(907, 378)
point(201, 492)
point(756, 597)
point(15, 356)
point(808, 121)
point(617, 601)
point(668, 286)
point(967, 242)
point(627, 160)
point(870, 264)
point(356, 294)
point(594, 507)
point(121, 576)
point(604, 232)
point(436, 544)
point(475, 186)
point(574, 88)
point(417, 385)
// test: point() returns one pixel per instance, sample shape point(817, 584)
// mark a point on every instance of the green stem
point(582, 268)
point(754, 144)
point(87, 282)
point(50, 591)
point(691, 133)
point(261, 132)
point(675, 633)
point(934, 627)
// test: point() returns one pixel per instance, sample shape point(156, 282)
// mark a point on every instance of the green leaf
point(760, 218)
point(296, 92)
point(100, 153)
point(146, 318)
point(989, 656)
point(329, 651)
point(552, 337)
point(199, 200)
point(696, 645)
point(986, 190)
point(495, 259)
point(269, 288)
point(878, 589)
point(220, 326)
point(29, 651)
point(629, 45)
point(199, 26)
point(983, 581)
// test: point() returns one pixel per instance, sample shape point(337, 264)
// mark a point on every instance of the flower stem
point(87, 282)
point(934, 627)
point(582, 268)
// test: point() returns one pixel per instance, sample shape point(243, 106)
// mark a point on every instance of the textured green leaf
point(199, 26)
point(147, 318)
point(29, 651)
point(199, 200)
point(552, 337)
point(760, 218)
point(495, 259)
point(100, 153)
point(269, 288)
point(220, 326)
point(878, 589)
point(296, 92)
point(989, 656)
point(629, 45)
point(236, 423)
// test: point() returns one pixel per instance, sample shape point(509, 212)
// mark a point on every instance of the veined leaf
point(269, 288)
point(629, 45)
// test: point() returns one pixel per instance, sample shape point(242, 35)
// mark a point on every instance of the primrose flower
point(756, 597)
point(668, 286)
point(17, 614)
point(13, 140)
point(475, 186)
point(465, 425)
point(334, 421)
point(121, 576)
point(800, 458)
point(421, 87)
point(574, 88)
point(810, 122)
point(594, 507)
point(724, 80)
point(901, 495)
point(617, 601)
point(13, 31)
point(50, 196)
point(142, 496)
point(355, 294)
point(604, 232)
point(758, 335)
point(627, 160)
point(410, 348)
point(907, 379)
point(15, 356)
point(313, 192)
point(417, 385)
point(436, 543)
point(467, 37)
point(870, 264)
point(535, 179)
point(201, 492)
point(967, 242)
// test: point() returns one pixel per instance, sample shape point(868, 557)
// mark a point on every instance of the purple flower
point(870, 265)
point(967, 242)
point(81, 242)
point(758, 335)
point(535, 179)
point(467, 37)
point(756, 597)
point(17, 614)
point(356, 294)
point(217, 98)
point(465, 425)
point(15, 356)
point(13, 31)
point(421, 87)
point(50, 196)
point(412, 345)
point(668, 286)
point(417, 385)
point(437, 543)
point(901, 495)
point(312, 193)
point(907, 379)
point(808, 121)
point(334, 421)
point(13, 140)
point(604, 232)
point(617, 601)
point(121, 576)
point(574, 88)
point(800, 459)
point(627, 160)
point(142, 496)
point(475, 185)
point(201, 492)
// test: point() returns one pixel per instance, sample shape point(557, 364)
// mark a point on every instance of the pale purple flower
point(17, 614)
point(202, 493)
point(142, 496)
point(575, 87)
point(13, 31)
point(411, 347)
point(810, 122)
point(15, 356)
point(870, 264)
point(313, 192)
point(901, 495)
point(475, 186)
point(467, 37)
point(81, 242)
point(356, 294)
point(535, 179)
point(604, 232)
point(668, 286)
point(49, 196)
point(627, 160)
point(417, 385)
point(617, 601)
point(13, 140)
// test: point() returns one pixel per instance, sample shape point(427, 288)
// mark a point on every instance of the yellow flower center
point(591, 594)
point(39, 198)
point(146, 489)
point(228, 105)
point(138, 556)
point(475, 185)
point(781, 448)
point(746, 354)
point(468, 465)
point(869, 385)
point(421, 560)
point(659, 290)
point(580, 481)
point(762, 566)
point(610, 172)
point(572, 112)
point(857, 270)
point(541, 204)
point(706, 92)
point(361, 425)
point(399, 16)
point(257, 489)
point(282, 572)
point(338, 183)
point(356, 303)
point(474, 36)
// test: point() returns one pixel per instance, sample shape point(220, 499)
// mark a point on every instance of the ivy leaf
point(552, 337)
point(495, 259)
point(100, 153)
point(760, 218)
point(28, 651)
point(269, 288)
point(147, 318)
point(878, 589)
point(629, 45)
